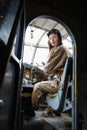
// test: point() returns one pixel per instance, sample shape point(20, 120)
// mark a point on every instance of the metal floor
point(39, 122)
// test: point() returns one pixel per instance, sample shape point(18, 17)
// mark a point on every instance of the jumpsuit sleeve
point(56, 62)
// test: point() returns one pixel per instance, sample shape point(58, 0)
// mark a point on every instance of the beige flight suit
point(53, 67)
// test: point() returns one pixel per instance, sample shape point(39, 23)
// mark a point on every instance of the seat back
point(57, 102)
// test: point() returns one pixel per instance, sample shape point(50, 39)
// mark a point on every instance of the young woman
point(53, 67)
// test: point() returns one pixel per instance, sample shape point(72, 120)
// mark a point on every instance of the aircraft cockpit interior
point(31, 32)
point(34, 59)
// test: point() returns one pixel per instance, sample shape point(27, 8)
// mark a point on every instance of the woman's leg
point(41, 89)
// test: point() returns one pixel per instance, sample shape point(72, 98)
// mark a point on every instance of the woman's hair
point(54, 31)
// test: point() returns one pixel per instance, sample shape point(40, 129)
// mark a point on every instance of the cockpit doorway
point(34, 59)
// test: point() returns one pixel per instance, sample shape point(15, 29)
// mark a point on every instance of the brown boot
point(48, 112)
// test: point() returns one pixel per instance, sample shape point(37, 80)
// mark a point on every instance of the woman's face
point(53, 40)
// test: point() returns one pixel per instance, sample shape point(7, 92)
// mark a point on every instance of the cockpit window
point(36, 40)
